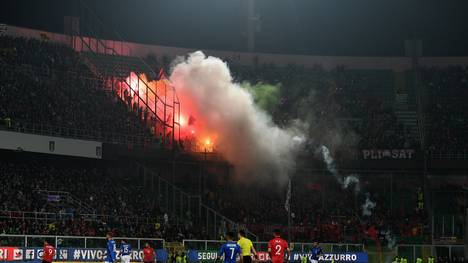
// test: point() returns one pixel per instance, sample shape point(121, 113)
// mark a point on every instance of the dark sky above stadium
point(325, 27)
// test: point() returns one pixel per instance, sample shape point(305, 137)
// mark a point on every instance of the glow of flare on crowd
point(193, 134)
point(217, 114)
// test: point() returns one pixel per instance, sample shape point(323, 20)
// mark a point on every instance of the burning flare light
point(137, 88)
point(217, 114)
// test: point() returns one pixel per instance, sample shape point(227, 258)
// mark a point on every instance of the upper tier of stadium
point(381, 88)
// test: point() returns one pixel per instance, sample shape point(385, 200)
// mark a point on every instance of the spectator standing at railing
point(7, 122)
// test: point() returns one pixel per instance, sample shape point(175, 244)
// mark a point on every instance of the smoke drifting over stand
point(243, 133)
point(344, 181)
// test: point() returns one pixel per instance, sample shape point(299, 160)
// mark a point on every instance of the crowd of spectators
point(446, 108)
point(47, 83)
point(337, 103)
point(325, 211)
point(67, 94)
point(39, 197)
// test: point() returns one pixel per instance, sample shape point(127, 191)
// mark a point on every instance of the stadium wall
point(245, 58)
point(50, 145)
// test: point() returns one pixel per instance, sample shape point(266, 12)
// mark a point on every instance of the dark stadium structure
point(92, 134)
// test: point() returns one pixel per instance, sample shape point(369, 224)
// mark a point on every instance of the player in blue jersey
point(111, 249)
point(125, 251)
point(230, 250)
point(316, 252)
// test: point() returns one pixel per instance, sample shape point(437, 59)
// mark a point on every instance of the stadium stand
point(48, 84)
point(84, 198)
point(85, 106)
point(360, 101)
point(334, 216)
point(446, 108)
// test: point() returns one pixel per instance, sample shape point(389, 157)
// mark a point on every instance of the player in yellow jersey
point(247, 248)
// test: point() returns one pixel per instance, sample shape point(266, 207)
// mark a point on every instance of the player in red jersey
point(278, 248)
point(148, 254)
point(48, 252)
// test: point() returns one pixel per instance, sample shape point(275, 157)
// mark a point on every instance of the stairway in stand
point(407, 116)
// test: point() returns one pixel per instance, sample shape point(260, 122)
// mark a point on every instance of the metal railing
point(179, 203)
point(75, 133)
point(49, 217)
point(135, 219)
point(68, 197)
point(138, 136)
point(411, 252)
point(263, 246)
point(447, 229)
point(91, 36)
point(44, 216)
point(100, 242)
point(44, 72)
point(456, 155)
point(74, 241)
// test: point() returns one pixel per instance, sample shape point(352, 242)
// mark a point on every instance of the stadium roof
point(324, 27)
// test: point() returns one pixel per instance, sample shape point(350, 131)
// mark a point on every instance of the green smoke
point(266, 96)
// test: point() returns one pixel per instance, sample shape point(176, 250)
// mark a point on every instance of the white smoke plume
point(352, 180)
point(368, 206)
point(331, 167)
point(391, 240)
point(346, 181)
point(246, 135)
